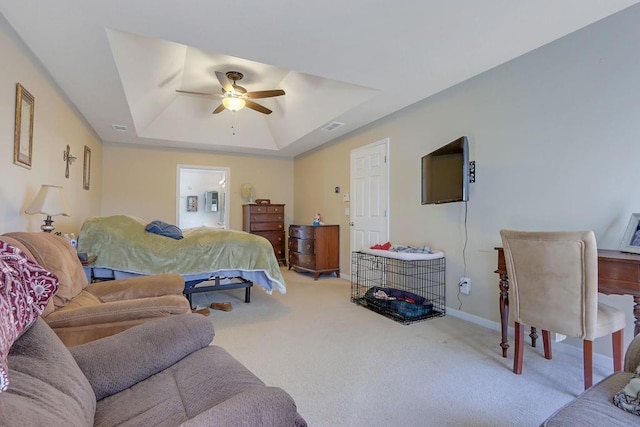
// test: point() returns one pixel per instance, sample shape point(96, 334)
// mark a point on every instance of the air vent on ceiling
point(119, 128)
point(331, 126)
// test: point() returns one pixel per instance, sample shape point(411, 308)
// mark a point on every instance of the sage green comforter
point(120, 242)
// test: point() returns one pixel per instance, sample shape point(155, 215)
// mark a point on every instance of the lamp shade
point(49, 201)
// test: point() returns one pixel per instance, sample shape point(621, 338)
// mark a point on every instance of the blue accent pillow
point(164, 229)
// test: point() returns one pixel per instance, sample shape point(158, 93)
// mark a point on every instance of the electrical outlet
point(465, 285)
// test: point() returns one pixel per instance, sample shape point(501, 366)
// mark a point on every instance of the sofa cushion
point(628, 398)
point(25, 290)
point(256, 406)
point(595, 406)
point(208, 387)
point(47, 387)
point(56, 255)
point(13, 242)
point(198, 382)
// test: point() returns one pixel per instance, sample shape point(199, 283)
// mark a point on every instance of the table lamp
point(49, 201)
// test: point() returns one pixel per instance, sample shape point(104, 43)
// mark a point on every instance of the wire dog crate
point(406, 291)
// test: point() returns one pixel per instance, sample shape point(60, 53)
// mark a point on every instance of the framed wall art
point(192, 203)
point(631, 239)
point(86, 170)
point(23, 133)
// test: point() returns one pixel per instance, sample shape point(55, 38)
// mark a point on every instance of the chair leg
point(518, 352)
point(587, 354)
point(546, 341)
point(617, 339)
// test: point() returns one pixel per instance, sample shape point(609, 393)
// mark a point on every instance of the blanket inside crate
point(396, 301)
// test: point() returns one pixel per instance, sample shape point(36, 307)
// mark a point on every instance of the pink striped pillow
point(25, 289)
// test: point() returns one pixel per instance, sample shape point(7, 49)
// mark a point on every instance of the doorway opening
point(201, 196)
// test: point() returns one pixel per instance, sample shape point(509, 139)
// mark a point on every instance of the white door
point(369, 195)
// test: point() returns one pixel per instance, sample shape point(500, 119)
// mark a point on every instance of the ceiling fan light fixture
point(233, 103)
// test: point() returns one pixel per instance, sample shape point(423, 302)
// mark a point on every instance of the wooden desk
point(618, 273)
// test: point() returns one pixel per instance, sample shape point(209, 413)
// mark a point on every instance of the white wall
point(554, 136)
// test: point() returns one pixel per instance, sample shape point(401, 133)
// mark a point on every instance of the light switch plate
point(345, 197)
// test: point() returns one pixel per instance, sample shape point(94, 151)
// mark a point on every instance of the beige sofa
point(81, 312)
point(164, 372)
point(595, 407)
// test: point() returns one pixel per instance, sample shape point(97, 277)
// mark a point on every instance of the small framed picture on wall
point(23, 133)
point(86, 170)
point(192, 203)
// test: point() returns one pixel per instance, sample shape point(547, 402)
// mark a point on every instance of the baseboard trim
point(489, 324)
point(598, 358)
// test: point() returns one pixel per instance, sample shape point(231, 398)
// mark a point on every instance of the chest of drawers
point(266, 221)
point(315, 249)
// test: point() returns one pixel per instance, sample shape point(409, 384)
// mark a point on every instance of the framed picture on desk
point(631, 239)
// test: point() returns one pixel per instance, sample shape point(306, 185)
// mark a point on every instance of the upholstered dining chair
point(553, 285)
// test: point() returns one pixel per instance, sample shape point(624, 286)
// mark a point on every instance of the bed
point(227, 258)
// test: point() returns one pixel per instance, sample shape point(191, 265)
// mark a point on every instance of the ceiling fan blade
point(224, 81)
point(257, 107)
point(197, 93)
point(264, 93)
point(218, 109)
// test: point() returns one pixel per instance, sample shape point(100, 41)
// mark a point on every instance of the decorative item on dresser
point(315, 248)
point(266, 220)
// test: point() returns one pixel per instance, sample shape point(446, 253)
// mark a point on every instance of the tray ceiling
point(354, 62)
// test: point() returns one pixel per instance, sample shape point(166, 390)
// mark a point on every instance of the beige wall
point(56, 124)
point(553, 134)
point(316, 175)
point(142, 181)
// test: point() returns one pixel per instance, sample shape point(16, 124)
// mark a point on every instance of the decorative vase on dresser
point(266, 220)
point(315, 249)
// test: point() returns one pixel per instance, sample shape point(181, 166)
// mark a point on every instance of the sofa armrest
point(120, 361)
point(632, 356)
point(118, 311)
point(137, 287)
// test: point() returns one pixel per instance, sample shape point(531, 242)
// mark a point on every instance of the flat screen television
point(445, 173)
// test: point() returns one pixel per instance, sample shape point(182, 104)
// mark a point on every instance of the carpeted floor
point(347, 366)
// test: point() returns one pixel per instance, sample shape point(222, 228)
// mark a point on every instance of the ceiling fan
point(236, 97)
